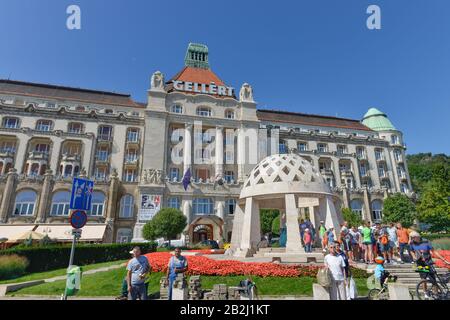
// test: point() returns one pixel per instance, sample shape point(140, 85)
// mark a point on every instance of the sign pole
point(72, 253)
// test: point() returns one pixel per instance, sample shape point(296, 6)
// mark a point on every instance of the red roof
point(310, 119)
point(198, 75)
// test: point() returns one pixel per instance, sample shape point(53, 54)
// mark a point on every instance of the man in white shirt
point(336, 265)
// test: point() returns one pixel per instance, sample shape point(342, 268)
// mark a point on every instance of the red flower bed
point(207, 251)
point(439, 262)
point(200, 265)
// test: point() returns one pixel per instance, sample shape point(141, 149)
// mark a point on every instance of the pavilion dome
point(284, 174)
point(377, 120)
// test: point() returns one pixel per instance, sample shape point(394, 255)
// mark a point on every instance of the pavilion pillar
point(251, 229)
point(236, 234)
point(293, 243)
point(331, 218)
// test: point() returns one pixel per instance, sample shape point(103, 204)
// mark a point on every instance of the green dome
point(377, 120)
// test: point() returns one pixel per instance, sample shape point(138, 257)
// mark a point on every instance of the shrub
point(12, 266)
point(55, 257)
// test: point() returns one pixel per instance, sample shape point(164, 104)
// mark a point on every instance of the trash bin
point(73, 283)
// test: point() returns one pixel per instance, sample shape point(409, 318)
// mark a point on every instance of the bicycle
point(433, 286)
point(383, 292)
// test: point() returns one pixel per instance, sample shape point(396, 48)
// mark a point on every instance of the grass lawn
point(58, 272)
point(109, 284)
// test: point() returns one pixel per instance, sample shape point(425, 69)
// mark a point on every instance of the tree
point(167, 223)
point(399, 208)
point(352, 218)
point(276, 226)
point(266, 218)
point(434, 206)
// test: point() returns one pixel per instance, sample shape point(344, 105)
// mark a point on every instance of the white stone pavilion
point(288, 183)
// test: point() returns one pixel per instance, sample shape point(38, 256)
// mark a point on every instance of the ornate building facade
point(192, 125)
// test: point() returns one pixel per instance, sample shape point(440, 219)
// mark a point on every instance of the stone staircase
point(406, 274)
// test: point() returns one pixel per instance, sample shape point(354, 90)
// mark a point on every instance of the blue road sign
point(81, 197)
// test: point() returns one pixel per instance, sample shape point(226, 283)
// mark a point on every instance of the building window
point(322, 147)
point(360, 153)
point(126, 206)
point(204, 112)
point(230, 206)
point(173, 202)
point(109, 111)
point(100, 174)
point(229, 114)
point(229, 176)
point(203, 206)
point(174, 174)
point(357, 207)
point(104, 133)
point(229, 157)
point(131, 156)
point(51, 105)
point(10, 123)
point(363, 170)
point(404, 188)
point(44, 125)
point(80, 108)
point(75, 127)
point(130, 175)
point(25, 203)
point(133, 135)
point(124, 235)
point(378, 154)
point(282, 147)
point(98, 204)
point(7, 146)
point(341, 150)
point(176, 108)
point(60, 204)
point(377, 210)
point(381, 171)
point(394, 139)
point(302, 146)
point(397, 155)
point(102, 154)
point(202, 174)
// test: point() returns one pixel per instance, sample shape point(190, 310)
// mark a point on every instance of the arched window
point(10, 123)
point(283, 148)
point(357, 207)
point(124, 235)
point(44, 125)
point(230, 206)
point(60, 203)
point(98, 204)
point(75, 127)
point(126, 206)
point(204, 112)
point(25, 203)
point(229, 114)
point(203, 206)
point(176, 108)
point(377, 210)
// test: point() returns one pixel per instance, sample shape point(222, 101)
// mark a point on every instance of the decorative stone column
point(187, 152)
point(45, 197)
point(367, 211)
point(251, 229)
point(8, 194)
point(293, 242)
point(219, 151)
point(241, 155)
point(345, 201)
point(112, 207)
point(236, 235)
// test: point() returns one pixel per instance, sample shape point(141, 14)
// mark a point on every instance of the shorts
point(346, 246)
point(367, 243)
point(392, 245)
point(384, 247)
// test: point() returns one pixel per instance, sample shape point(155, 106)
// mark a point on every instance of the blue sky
point(312, 56)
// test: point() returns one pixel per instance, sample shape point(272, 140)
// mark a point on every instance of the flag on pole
point(187, 179)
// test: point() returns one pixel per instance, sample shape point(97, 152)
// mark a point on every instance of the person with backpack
point(336, 266)
point(383, 243)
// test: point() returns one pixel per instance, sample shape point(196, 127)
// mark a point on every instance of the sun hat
point(414, 234)
point(379, 260)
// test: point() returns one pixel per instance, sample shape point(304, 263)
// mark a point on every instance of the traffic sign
point(78, 219)
point(81, 197)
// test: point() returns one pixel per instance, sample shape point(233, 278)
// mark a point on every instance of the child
point(380, 273)
point(307, 239)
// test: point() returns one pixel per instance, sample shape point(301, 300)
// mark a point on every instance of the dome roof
point(284, 174)
point(377, 120)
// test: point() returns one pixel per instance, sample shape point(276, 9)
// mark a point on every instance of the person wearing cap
point(336, 264)
point(138, 268)
point(422, 251)
point(307, 240)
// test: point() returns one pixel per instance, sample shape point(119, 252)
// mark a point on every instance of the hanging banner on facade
point(150, 206)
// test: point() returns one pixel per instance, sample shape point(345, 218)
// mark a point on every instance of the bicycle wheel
point(427, 290)
point(374, 294)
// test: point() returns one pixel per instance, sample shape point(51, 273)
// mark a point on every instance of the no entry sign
point(78, 219)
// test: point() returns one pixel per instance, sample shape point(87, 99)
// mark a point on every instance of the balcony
point(326, 172)
point(402, 176)
point(346, 173)
point(365, 174)
point(7, 153)
point(71, 158)
point(38, 155)
point(132, 140)
point(380, 158)
point(131, 161)
point(101, 158)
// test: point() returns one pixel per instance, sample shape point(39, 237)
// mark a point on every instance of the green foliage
point(55, 257)
point(167, 223)
point(399, 208)
point(441, 243)
point(276, 226)
point(12, 266)
point(434, 205)
point(420, 167)
point(351, 217)
point(266, 217)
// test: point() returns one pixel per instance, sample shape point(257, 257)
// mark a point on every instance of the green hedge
point(56, 257)
point(434, 236)
point(12, 266)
